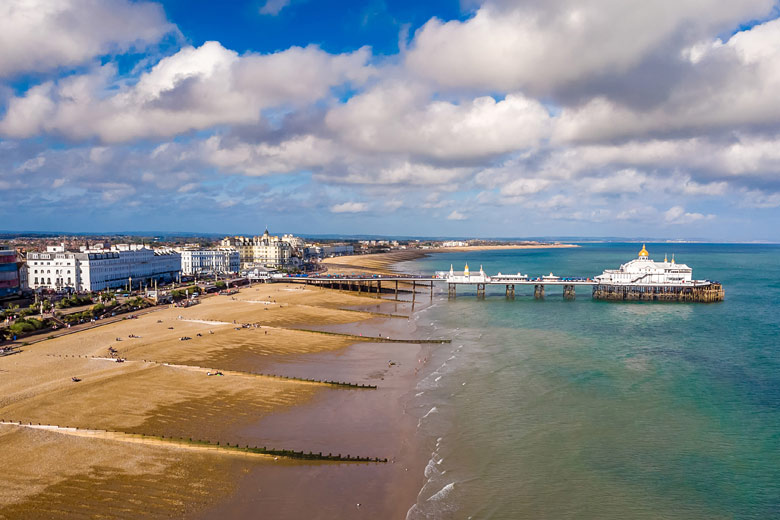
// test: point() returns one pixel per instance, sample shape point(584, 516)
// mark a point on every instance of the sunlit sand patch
point(206, 322)
point(58, 476)
point(145, 397)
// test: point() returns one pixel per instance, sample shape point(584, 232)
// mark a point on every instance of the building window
point(36, 280)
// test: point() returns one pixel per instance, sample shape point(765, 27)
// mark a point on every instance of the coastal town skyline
point(458, 119)
point(388, 259)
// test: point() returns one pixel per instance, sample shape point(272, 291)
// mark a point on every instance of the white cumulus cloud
point(194, 89)
point(39, 35)
point(678, 215)
point(349, 207)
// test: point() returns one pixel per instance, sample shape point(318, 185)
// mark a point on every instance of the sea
point(555, 409)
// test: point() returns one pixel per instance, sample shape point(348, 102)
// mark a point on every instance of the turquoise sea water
point(605, 410)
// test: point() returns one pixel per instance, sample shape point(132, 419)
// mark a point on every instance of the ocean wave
point(442, 493)
point(432, 410)
point(430, 469)
point(429, 381)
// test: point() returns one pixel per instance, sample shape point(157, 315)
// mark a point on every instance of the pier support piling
point(539, 292)
point(568, 292)
point(510, 291)
point(451, 291)
point(481, 291)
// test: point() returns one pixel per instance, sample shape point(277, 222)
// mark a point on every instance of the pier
point(698, 291)
point(640, 279)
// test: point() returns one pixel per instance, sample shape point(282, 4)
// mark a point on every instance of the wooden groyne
point(344, 384)
point(712, 292)
point(190, 443)
point(379, 339)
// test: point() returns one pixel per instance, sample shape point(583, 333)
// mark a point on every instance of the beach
point(125, 426)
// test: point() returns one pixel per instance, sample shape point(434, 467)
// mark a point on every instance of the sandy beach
point(126, 421)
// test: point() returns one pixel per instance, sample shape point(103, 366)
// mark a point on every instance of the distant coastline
point(385, 262)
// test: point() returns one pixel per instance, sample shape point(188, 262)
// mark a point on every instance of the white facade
point(125, 264)
point(95, 270)
point(643, 271)
point(295, 242)
point(465, 277)
point(210, 261)
point(54, 269)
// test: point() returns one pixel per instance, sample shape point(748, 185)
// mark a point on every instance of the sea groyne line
point(375, 313)
point(372, 339)
point(343, 384)
point(190, 444)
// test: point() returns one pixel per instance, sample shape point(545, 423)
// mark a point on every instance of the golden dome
point(643, 253)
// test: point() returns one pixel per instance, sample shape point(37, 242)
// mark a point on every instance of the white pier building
point(646, 279)
point(642, 270)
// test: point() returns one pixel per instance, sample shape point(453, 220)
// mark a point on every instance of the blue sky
point(458, 118)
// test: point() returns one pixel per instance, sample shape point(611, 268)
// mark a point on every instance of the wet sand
point(356, 422)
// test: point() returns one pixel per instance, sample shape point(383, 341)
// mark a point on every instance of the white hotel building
point(210, 261)
point(266, 250)
point(96, 270)
point(54, 269)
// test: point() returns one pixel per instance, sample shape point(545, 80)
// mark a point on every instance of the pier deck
point(698, 291)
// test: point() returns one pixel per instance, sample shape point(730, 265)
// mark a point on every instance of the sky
point(493, 118)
